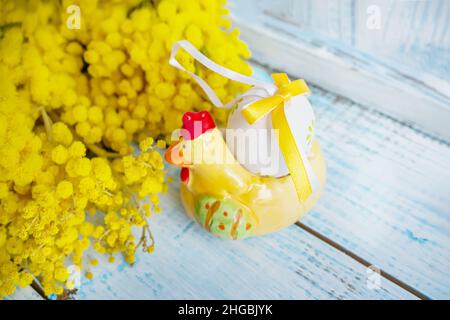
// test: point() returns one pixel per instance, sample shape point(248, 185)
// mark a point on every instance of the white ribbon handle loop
point(197, 55)
point(269, 88)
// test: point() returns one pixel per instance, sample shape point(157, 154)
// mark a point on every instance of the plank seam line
point(36, 287)
point(368, 108)
point(362, 261)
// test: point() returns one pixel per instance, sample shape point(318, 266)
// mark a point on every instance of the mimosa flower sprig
point(71, 101)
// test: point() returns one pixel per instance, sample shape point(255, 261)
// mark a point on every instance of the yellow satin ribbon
point(275, 104)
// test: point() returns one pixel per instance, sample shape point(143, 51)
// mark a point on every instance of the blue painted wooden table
point(382, 227)
point(386, 206)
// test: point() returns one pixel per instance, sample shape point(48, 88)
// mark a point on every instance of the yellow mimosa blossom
point(72, 102)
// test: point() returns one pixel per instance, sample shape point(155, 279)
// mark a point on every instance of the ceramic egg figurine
point(263, 156)
point(226, 198)
point(264, 172)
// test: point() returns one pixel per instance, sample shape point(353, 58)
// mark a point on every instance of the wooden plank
point(388, 193)
point(410, 34)
point(360, 145)
point(422, 99)
point(388, 197)
point(189, 263)
point(24, 294)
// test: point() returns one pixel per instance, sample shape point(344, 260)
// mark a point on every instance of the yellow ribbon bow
point(275, 104)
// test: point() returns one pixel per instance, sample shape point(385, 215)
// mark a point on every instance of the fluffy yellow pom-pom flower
point(71, 103)
point(64, 189)
point(59, 154)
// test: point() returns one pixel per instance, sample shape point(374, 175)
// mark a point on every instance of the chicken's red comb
point(196, 123)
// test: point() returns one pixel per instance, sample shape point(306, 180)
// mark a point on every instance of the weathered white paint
point(346, 63)
point(189, 263)
point(373, 206)
point(383, 201)
point(412, 35)
point(24, 294)
point(388, 193)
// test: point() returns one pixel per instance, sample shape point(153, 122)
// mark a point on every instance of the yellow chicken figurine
point(224, 197)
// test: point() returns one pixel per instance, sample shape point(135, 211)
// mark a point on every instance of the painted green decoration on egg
point(225, 218)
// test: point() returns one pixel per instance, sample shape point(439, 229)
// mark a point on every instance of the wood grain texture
point(411, 34)
point(412, 95)
point(24, 294)
point(383, 202)
point(387, 197)
point(188, 263)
